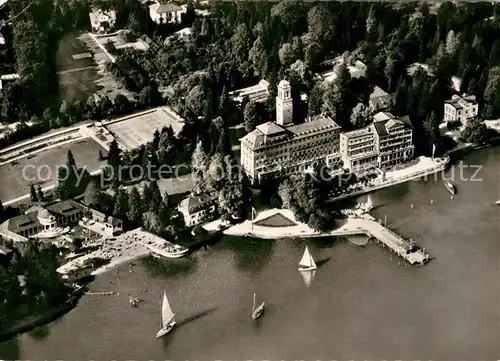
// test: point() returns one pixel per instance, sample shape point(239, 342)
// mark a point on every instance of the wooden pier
point(389, 239)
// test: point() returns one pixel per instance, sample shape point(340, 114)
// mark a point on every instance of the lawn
point(42, 168)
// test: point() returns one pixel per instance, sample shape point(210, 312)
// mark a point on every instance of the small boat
point(257, 312)
point(497, 203)
point(307, 262)
point(451, 188)
point(167, 317)
point(133, 301)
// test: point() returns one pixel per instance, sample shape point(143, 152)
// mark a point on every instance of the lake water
point(362, 304)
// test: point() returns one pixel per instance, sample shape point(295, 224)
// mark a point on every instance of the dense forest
point(271, 41)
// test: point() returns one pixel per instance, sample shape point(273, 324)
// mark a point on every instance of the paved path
point(79, 69)
point(352, 226)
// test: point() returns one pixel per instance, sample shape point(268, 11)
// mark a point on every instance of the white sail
point(308, 277)
point(369, 203)
point(307, 261)
point(167, 314)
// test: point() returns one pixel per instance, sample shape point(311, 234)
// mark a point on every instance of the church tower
point(284, 106)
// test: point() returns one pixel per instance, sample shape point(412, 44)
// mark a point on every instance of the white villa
point(102, 21)
point(166, 12)
point(460, 108)
point(197, 208)
point(257, 93)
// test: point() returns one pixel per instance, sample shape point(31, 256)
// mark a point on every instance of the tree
point(224, 103)
point(258, 57)
point(319, 22)
point(475, 132)
point(224, 145)
point(216, 173)
point(492, 89)
point(286, 55)
point(231, 197)
point(320, 220)
point(91, 194)
point(199, 165)
point(121, 207)
point(39, 193)
point(360, 115)
point(67, 178)
point(250, 116)
point(135, 209)
point(150, 96)
point(71, 160)
point(431, 127)
point(34, 197)
point(122, 104)
point(156, 199)
point(451, 43)
point(371, 23)
point(315, 99)
point(114, 157)
point(196, 100)
point(285, 191)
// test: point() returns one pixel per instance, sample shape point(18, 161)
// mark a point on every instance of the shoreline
point(117, 262)
point(438, 167)
point(46, 317)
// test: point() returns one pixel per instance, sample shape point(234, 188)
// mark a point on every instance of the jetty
point(110, 293)
point(354, 225)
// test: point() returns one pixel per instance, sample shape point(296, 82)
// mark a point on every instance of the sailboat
point(368, 204)
point(257, 312)
point(307, 262)
point(167, 317)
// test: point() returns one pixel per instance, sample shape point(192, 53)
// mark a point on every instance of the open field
point(134, 131)
point(42, 168)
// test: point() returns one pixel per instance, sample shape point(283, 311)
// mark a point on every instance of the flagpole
point(252, 218)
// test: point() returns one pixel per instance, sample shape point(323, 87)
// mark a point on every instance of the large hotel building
point(284, 148)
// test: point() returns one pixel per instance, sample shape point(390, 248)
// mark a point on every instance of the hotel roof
point(194, 203)
point(382, 127)
point(167, 7)
point(357, 133)
point(459, 102)
point(258, 138)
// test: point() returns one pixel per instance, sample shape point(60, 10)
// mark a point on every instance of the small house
point(166, 12)
point(102, 21)
point(197, 209)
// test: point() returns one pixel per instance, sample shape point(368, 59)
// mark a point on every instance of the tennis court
point(134, 131)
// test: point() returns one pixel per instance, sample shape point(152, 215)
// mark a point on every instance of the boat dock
point(363, 224)
point(367, 225)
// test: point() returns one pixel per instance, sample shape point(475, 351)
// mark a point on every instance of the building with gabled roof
point(197, 208)
point(381, 100)
point(384, 143)
point(102, 21)
point(41, 219)
point(394, 140)
point(166, 12)
point(256, 93)
point(284, 148)
point(460, 108)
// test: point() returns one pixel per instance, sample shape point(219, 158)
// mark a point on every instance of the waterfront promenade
point(365, 225)
point(424, 167)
